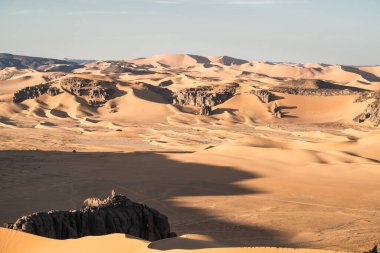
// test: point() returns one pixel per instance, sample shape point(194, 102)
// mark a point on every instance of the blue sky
point(326, 31)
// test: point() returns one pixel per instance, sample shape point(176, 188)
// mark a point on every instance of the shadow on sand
point(32, 181)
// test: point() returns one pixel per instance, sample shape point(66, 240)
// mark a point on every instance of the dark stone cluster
point(114, 214)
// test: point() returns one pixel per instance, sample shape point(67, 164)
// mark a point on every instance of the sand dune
point(18, 242)
point(236, 180)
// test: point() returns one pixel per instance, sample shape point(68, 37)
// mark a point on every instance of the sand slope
point(18, 242)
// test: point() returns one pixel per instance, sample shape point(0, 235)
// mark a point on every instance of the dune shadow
point(286, 114)
point(7, 121)
point(182, 243)
point(366, 75)
point(59, 113)
point(359, 156)
point(275, 98)
point(32, 181)
point(223, 110)
point(150, 96)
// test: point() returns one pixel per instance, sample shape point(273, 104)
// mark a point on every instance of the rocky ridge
point(315, 92)
point(265, 96)
point(95, 92)
point(371, 113)
point(204, 97)
point(34, 92)
point(114, 214)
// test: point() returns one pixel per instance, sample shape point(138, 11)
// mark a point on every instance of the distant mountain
point(37, 63)
point(79, 61)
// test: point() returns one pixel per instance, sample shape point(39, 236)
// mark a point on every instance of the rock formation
point(364, 96)
point(315, 92)
point(95, 92)
point(265, 96)
point(373, 250)
point(276, 111)
point(34, 92)
point(371, 113)
point(315, 87)
point(204, 95)
point(114, 214)
point(205, 110)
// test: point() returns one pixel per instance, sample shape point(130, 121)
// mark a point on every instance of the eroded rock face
point(34, 92)
point(265, 96)
point(114, 214)
point(371, 113)
point(316, 92)
point(95, 92)
point(205, 110)
point(204, 96)
point(315, 87)
point(364, 96)
point(276, 111)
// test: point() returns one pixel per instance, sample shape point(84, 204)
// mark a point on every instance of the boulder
point(114, 214)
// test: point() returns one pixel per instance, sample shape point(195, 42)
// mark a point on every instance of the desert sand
point(237, 178)
point(18, 242)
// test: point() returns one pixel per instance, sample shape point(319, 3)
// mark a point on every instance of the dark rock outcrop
point(276, 111)
point(204, 95)
point(364, 96)
point(115, 214)
point(205, 110)
point(95, 92)
point(311, 87)
point(373, 250)
point(34, 92)
point(316, 92)
point(265, 96)
point(371, 113)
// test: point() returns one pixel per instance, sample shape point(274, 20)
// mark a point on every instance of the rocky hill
point(37, 63)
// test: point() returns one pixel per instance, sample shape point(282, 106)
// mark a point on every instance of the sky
point(302, 31)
